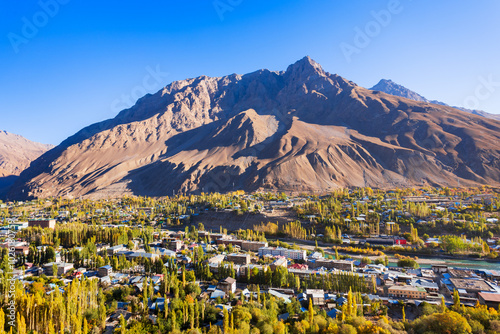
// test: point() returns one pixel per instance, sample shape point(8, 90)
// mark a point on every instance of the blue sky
point(66, 64)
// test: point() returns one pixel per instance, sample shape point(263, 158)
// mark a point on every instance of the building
point(113, 250)
point(439, 268)
point(62, 268)
point(19, 250)
point(242, 259)
point(279, 262)
point(172, 244)
point(317, 296)
point(380, 241)
point(243, 244)
point(331, 264)
point(217, 259)
point(470, 287)
point(253, 245)
point(203, 234)
point(406, 291)
point(399, 240)
point(489, 299)
point(135, 255)
point(43, 223)
point(105, 271)
point(250, 267)
point(19, 226)
point(428, 285)
point(294, 254)
point(228, 285)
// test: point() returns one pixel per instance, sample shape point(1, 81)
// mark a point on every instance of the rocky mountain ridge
point(302, 129)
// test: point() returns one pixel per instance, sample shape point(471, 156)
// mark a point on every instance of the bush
point(347, 329)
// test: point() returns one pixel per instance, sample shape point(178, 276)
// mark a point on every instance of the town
point(352, 261)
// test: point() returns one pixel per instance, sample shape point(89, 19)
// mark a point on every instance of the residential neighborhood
point(142, 261)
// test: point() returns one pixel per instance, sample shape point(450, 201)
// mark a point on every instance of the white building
point(294, 254)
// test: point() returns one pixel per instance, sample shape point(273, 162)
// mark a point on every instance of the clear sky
point(66, 64)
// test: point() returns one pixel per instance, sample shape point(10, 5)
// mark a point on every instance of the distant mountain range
point(390, 87)
point(16, 153)
point(297, 130)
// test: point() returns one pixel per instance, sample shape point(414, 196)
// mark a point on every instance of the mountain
point(302, 129)
point(390, 87)
point(16, 153)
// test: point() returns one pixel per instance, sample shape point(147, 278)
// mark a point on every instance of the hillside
point(16, 153)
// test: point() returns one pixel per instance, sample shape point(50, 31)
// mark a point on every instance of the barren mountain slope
point(301, 129)
point(16, 153)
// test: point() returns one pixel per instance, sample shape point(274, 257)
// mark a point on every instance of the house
point(157, 304)
point(105, 271)
point(489, 299)
point(106, 280)
point(164, 252)
point(184, 259)
point(279, 262)
point(333, 313)
point(279, 295)
point(172, 244)
point(217, 294)
point(228, 285)
point(19, 250)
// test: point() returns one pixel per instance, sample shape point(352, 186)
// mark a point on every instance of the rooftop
point(490, 297)
point(470, 284)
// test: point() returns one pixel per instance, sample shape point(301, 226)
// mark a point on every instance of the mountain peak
point(390, 87)
point(386, 82)
point(305, 65)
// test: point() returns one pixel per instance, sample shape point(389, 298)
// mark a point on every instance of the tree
point(50, 254)
point(2, 321)
point(448, 322)
point(456, 300)
point(123, 325)
point(21, 324)
point(225, 319)
point(85, 326)
point(443, 305)
point(310, 314)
